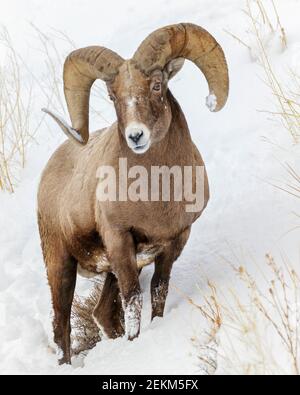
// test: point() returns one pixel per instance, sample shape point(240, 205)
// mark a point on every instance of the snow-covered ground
point(243, 149)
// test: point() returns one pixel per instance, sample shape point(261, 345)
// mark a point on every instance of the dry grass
point(287, 103)
point(17, 129)
point(52, 82)
point(266, 27)
point(268, 24)
point(259, 321)
point(256, 324)
point(254, 328)
point(287, 99)
point(23, 93)
point(291, 186)
point(86, 333)
point(278, 305)
point(20, 116)
point(207, 347)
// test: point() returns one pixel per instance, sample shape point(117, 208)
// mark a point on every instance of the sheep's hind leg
point(62, 280)
point(108, 313)
point(163, 266)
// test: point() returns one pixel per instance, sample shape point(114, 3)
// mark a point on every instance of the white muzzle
point(138, 137)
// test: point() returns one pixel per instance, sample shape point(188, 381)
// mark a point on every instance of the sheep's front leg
point(163, 266)
point(108, 313)
point(122, 256)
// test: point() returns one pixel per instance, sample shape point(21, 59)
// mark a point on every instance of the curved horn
point(191, 42)
point(82, 67)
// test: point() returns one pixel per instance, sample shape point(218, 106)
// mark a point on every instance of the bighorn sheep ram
point(80, 232)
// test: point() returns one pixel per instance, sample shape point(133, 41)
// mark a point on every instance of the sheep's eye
point(157, 87)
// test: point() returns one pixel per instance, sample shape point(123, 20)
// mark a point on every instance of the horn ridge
point(191, 42)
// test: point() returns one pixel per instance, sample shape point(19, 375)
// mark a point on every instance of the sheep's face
point(142, 108)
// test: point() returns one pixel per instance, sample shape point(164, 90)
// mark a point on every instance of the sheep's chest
point(151, 235)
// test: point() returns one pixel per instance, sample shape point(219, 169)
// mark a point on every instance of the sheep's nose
point(135, 137)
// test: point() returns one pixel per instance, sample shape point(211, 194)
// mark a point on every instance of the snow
point(211, 102)
point(243, 150)
point(131, 102)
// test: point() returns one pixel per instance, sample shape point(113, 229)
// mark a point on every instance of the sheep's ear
point(173, 67)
